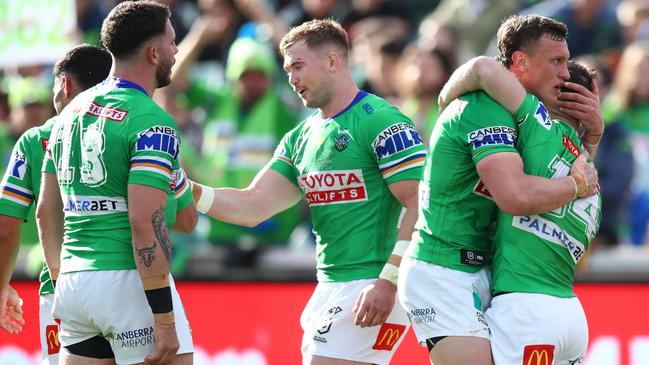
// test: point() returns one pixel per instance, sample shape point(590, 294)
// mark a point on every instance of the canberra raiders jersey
point(538, 253)
point(110, 136)
point(21, 183)
point(343, 166)
point(456, 212)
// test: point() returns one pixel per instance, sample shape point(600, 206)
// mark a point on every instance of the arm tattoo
point(147, 254)
point(161, 233)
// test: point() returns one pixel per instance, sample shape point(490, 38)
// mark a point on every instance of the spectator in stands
point(423, 72)
point(629, 102)
point(244, 120)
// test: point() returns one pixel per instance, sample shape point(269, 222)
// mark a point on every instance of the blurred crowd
point(230, 97)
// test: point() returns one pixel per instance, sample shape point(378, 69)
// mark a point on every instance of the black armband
point(160, 300)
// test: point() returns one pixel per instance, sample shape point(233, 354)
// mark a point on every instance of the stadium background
point(244, 288)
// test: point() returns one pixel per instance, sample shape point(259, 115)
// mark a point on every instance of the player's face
point(167, 49)
point(547, 69)
point(308, 75)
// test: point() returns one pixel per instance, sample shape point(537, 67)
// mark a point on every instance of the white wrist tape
point(390, 273)
point(206, 199)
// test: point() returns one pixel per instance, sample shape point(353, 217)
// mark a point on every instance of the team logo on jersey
point(396, 138)
point(44, 143)
point(571, 146)
point(114, 114)
point(333, 187)
point(388, 336)
point(368, 108)
point(342, 140)
point(538, 355)
point(542, 116)
point(18, 165)
point(159, 138)
point(490, 136)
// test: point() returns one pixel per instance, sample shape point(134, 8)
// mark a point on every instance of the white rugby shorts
point(443, 302)
point(48, 331)
point(329, 329)
point(537, 329)
point(112, 303)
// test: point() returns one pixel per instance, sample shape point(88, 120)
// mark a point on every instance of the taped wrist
point(206, 199)
point(580, 184)
point(390, 273)
point(158, 294)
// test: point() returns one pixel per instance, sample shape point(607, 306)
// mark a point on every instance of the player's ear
point(153, 55)
point(68, 88)
point(333, 60)
point(519, 60)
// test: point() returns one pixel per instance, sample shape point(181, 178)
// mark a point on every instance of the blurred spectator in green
point(629, 104)
point(244, 120)
point(30, 102)
point(423, 72)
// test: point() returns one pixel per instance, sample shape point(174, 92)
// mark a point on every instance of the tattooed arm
point(152, 253)
point(151, 244)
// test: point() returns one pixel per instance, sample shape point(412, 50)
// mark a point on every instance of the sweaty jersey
point(343, 166)
point(456, 212)
point(21, 183)
point(538, 253)
point(110, 136)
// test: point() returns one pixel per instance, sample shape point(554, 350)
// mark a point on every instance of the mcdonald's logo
point(538, 355)
point(52, 338)
point(388, 336)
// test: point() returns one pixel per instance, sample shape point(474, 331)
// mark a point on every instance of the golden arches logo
point(389, 338)
point(52, 337)
point(541, 356)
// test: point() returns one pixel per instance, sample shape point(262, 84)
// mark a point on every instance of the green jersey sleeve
point(154, 146)
point(486, 126)
point(17, 191)
point(396, 145)
point(282, 160)
point(180, 186)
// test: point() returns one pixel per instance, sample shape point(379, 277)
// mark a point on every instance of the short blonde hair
point(317, 33)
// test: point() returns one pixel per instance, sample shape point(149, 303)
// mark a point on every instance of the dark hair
point(88, 64)
point(132, 23)
point(580, 75)
point(316, 33)
point(521, 32)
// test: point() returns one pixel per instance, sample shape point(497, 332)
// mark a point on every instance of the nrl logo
point(342, 141)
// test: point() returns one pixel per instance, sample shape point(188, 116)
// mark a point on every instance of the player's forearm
point(49, 219)
point(238, 206)
point(536, 195)
point(9, 243)
point(186, 219)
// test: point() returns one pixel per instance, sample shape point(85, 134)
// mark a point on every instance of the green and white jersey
point(456, 212)
point(110, 136)
point(538, 253)
point(343, 166)
point(20, 185)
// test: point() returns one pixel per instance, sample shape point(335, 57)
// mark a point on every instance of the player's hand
point(586, 168)
point(11, 311)
point(375, 302)
point(166, 345)
point(583, 105)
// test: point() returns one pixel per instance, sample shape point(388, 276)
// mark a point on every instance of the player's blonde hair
point(316, 34)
